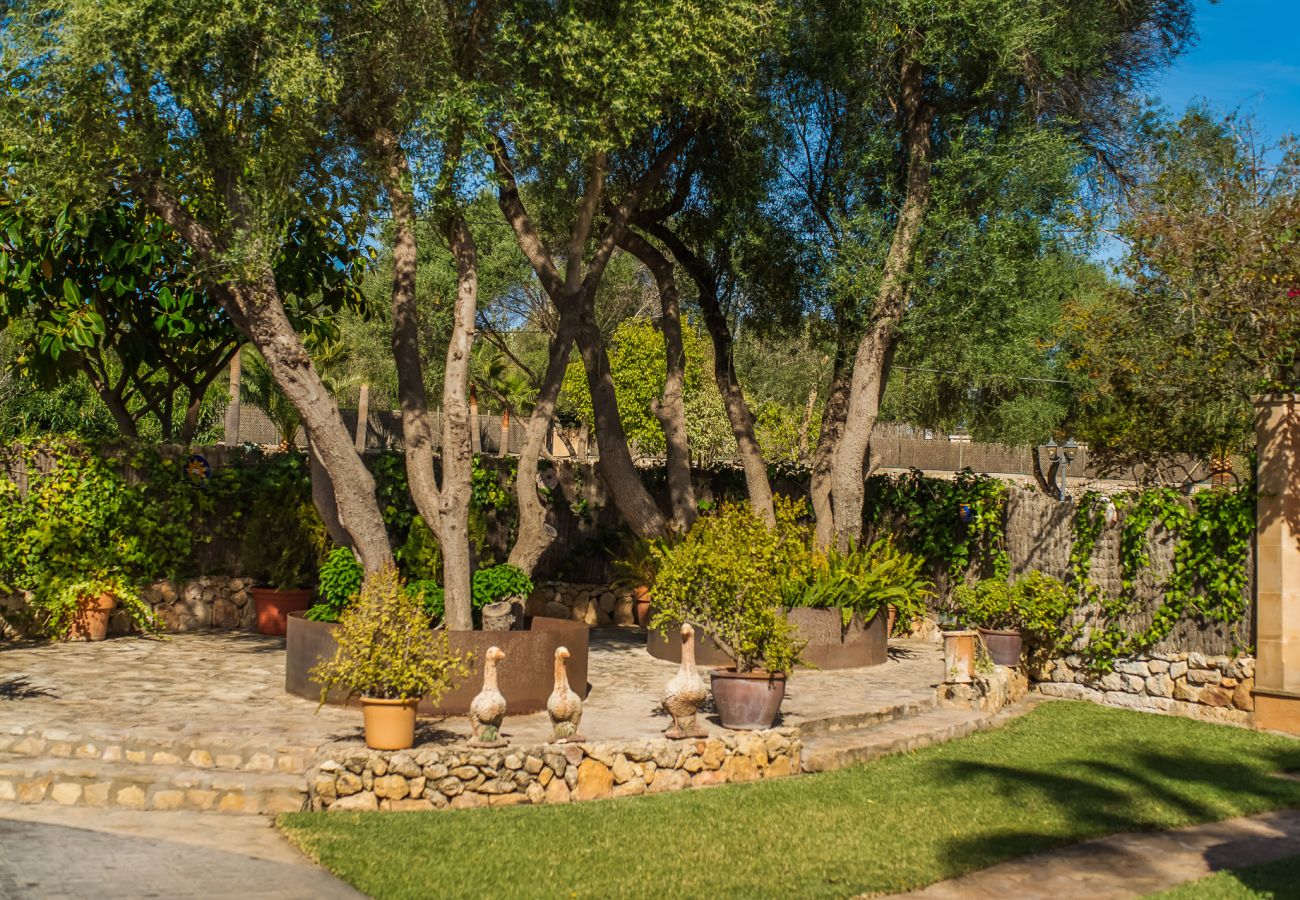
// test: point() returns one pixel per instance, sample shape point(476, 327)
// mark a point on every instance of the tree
point(879, 98)
point(1208, 310)
point(214, 117)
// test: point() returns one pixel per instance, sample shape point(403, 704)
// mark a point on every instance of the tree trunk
point(354, 489)
point(823, 460)
point(670, 408)
point(739, 415)
point(875, 350)
point(535, 535)
point(634, 502)
point(457, 452)
point(232, 409)
point(322, 496)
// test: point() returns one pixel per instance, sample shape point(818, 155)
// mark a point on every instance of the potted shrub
point(80, 610)
point(864, 582)
point(1005, 613)
point(726, 575)
point(389, 657)
point(283, 543)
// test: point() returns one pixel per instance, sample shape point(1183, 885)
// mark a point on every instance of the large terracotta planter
point(90, 621)
point(747, 701)
point(274, 606)
point(390, 724)
point(830, 644)
point(526, 678)
point(1004, 645)
point(641, 605)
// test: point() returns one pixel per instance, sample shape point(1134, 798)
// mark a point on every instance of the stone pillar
point(1277, 574)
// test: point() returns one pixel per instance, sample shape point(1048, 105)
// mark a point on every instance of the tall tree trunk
point(739, 415)
point(616, 468)
point(257, 308)
point(322, 496)
point(232, 408)
point(670, 408)
point(535, 535)
point(457, 452)
point(876, 347)
point(354, 488)
point(823, 460)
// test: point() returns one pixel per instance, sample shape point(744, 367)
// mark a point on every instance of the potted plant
point(283, 543)
point(726, 576)
point(635, 572)
point(389, 657)
point(1005, 613)
point(80, 610)
point(337, 584)
point(864, 582)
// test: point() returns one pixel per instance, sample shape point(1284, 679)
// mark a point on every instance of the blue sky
point(1246, 57)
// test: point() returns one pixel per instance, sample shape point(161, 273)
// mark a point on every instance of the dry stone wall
point(354, 777)
point(598, 605)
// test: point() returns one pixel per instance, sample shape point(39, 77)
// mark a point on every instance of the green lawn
point(1278, 880)
point(1063, 773)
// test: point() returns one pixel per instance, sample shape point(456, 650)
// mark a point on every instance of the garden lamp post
point(1062, 455)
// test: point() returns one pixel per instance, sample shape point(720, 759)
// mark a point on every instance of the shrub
point(285, 540)
point(1034, 603)
point(498, 582)
point(726, 575)
point(339, 581)
point(386, 648)
point(865, 581)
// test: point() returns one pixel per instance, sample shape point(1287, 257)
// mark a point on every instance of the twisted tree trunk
point(670, 408)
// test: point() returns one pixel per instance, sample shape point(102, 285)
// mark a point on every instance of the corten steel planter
point(526, 676)
point(274, 606)
point(90, 621)
point(747, 700)
point(390, 724)
point(1004, 645)
point(830, 644)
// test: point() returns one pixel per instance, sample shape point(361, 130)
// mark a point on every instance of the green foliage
point(284, 539)
point(386, 648)
point(338, 583)
point(726, 575)
point(497, 583)
point(420, 557)
point(864, 581)
point(958, 524)
point(1208, 581)
point(1035, 604)
point(431, 596)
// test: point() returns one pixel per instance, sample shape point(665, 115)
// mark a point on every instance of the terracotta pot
point(959, 656)
point(1004, 645)
point(90, 621)
point(390, 724)
point(893, 617)
point(274, 606)
point(641, 605)
point(747, 700)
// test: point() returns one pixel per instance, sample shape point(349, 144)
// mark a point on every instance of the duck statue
point(685, 693)
point(564, 706)
point(488, 709)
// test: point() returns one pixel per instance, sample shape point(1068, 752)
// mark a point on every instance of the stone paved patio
point(230, 686)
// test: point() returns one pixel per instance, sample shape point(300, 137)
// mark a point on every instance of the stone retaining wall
point(209, 601)
point(1213, 688)
point(354, 777)
point(598, 605)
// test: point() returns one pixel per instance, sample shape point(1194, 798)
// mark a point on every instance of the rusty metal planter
point(830, 645)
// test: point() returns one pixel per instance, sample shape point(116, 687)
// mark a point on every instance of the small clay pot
point(1004, 645)
point(274, 606)
point(641, 605)
point(390, 724)
point(90, 621)
point(747, 700)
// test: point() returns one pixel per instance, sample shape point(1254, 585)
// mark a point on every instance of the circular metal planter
point(526, 676)
point(830, 644)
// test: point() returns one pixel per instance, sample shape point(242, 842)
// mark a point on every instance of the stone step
point(93, 782)
point(226, 752)
point(844, 748)
point(857, 721)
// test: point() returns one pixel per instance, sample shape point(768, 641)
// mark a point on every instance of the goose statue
point(565, 706)
point(685, 693)
point(488, 708)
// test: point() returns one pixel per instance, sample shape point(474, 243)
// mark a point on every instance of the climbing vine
point(958, 524)
point(1208, 579)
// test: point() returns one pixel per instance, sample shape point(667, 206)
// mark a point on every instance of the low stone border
point(1212, 688)
point(597, 605)
point(354, 777)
